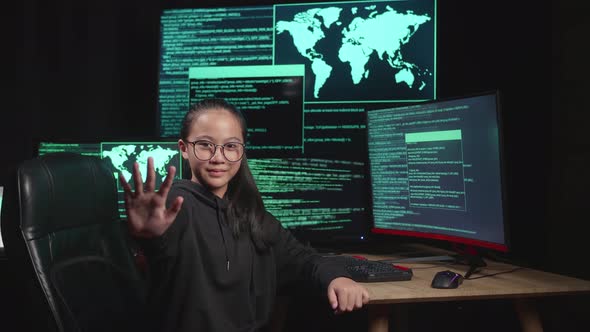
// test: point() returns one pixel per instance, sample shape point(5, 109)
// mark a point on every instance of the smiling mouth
point(216, 171)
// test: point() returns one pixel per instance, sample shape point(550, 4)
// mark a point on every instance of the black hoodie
point(202, 278)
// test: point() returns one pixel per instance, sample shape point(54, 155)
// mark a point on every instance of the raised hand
point(146, 210)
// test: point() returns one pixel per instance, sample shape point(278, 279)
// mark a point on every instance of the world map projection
point(351, 43)
point(122, 156)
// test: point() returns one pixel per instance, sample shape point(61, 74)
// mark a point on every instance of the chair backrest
point(77, 243)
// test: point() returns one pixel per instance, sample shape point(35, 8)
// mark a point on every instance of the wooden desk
point(520, 285)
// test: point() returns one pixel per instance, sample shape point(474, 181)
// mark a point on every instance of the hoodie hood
point(201, 193)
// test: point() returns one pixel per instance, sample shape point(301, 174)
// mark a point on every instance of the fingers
point(358, 301)
point(165, 187)
point(342, 303)
point(150, 181)
point(137, 178)
point(172, 211)
point(365, 296)
point(332, 298)
point(126, 187)
point(348, 301)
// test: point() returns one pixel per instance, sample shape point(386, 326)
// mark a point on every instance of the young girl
point(215, 256)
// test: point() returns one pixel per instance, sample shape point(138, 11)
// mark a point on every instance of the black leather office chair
point(77, 244)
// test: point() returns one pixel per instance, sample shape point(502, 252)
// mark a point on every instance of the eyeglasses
point(205, 150)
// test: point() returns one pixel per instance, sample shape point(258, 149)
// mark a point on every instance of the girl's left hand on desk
point(346, 294)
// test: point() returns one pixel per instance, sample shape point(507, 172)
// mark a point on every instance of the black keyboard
point(364, 270)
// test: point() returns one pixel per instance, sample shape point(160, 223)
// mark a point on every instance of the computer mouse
point(447, 279)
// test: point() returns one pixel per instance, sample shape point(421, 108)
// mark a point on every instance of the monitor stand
point(474, 261)
point(466, 255)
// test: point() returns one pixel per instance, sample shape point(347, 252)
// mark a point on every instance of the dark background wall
point(87, 69)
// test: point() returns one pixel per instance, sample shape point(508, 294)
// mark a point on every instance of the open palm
point(146, 210)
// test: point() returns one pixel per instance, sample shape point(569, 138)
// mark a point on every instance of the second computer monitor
point(436, 171)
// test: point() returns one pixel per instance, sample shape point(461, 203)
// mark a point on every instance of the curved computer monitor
point(436, 171)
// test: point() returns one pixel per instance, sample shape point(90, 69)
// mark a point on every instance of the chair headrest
point(65, 190)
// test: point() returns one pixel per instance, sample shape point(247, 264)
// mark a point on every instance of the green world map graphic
point(357, 38)
point(123, 156)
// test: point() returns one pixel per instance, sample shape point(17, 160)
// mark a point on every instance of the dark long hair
point(245, 211)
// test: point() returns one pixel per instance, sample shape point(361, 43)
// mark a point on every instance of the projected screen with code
point(304, 75)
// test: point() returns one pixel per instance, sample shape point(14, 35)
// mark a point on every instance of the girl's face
point(217, 126)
